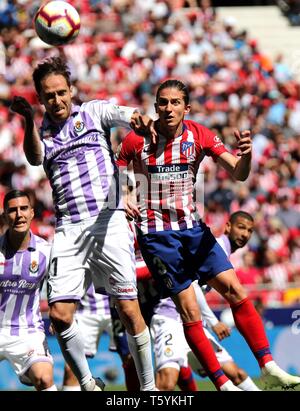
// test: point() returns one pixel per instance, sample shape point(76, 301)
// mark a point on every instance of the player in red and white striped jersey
point(176, 245)
point(170, 168)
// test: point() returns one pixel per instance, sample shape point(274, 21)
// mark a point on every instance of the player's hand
point(221, 330)
point(143, 125)
point(21, 106)
point(132, 210)
point(244, 142)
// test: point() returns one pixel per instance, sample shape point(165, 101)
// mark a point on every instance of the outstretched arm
point(32, 144)
point(239, 168)
point(143, 124)
point(219, 328)
point(206, 311)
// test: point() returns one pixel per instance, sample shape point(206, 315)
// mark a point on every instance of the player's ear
point(72, 91)
point(227, 227)
point(187, 109)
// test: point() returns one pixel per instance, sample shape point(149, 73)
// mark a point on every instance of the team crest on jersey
point(187, 148)
point(34, 267)
point(168, 352)
point(78, 126)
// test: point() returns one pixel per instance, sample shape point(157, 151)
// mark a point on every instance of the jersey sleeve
point(212, 144)
point(109, 114)
point(129, 147)
point(206, 311)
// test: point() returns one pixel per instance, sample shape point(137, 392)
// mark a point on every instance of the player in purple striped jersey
point(92, 240)
point(24, 259)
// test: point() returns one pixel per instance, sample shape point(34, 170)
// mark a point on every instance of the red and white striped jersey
point(165, 175)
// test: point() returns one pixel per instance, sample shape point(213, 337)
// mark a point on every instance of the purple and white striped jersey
point(78, 160)
point(94, 303)
point(167, 308)
point(224, 242)
point(21, 277)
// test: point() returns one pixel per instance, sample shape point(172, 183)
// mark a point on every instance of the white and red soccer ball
point(57, 23)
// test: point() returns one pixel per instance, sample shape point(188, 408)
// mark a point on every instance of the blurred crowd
point(124, 49)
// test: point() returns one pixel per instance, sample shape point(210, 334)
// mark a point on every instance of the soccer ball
point(57, 23)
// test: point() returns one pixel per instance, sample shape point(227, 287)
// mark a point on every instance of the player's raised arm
point(239, 167)
point(142, 125)
point(32, 144)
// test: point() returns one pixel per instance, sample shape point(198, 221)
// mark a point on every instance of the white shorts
point(92, 327)
point(98, 249)
point(222, 355)
point(23, 351)
point(170, 346)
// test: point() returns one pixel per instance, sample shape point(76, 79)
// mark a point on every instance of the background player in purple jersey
point(238, 231)
point(92, 241)
point(24, 259)
point(176, 245)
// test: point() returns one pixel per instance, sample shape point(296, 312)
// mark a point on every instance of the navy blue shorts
point(177, 258)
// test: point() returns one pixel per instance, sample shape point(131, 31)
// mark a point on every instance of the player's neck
point(233, 245)
point(56, 122)
point(172, 132)
point(18, 242)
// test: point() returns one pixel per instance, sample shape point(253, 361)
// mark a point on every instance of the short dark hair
point(14, 194)
point(234, 216)
point(173, 83)
point(52, 65)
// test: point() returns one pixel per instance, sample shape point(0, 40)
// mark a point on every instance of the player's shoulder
point(41, 240)
point(193, 125)
point(95, 106)
point(41, 243)
point(199, 130)
point(224, 242)
point(128, 148)
point(133, 140)
point(221, 239)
